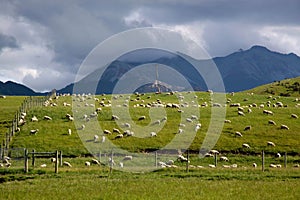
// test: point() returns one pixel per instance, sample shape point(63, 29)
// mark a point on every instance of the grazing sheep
point(278, 155)
point(254, 165)
point(34, 131)
point(157, 122)
point(273, 166)
point(163, 119)
point(247, 128)
point(95, 161)
point(69, 131)
point(127, 158)
point(249, 110)
point(235, 105)
point(103, 139)
point(119, 136)
point(21, 122)
point(114, 117)
point(115, 130)
point(208, 155)
point(47, 117)
point(82, 127)
point(34, 119)
point(241, 113)
point(142, 118)
point(181, 158)
point(296, 165)
point(272, 122)
point(238, 134)
point(180, 131)
point(53, 160)
point(227, 121)
point(106, 131)
point(233, 166)
point(96, 138)
point(153, 134)
point(294, 116)
point(212, 166)
point(268, 112)
point(65, 163)
point(224, 158)
point(214, 151)
point(284, 127)
point(170, 162)
point(197, 127)
point(127, 125)
point(271, 144)
point(189, 120)
point(43, 165)
point(87, 163)
point(194, 117)
point(226, 166)
point(241, 109)
point(245, 145)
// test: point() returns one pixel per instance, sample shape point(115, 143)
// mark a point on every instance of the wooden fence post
point(33, 158)
point(263, 160)
point(188, 159)
point(216, 159)
point(25, 160)
point(56, 161)
point(155, 159)
point(285, 160)
point(60, 158)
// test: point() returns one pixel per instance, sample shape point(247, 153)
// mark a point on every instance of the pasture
point(201, 182)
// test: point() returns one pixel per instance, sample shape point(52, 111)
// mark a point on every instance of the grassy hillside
point(286, 87)
point(8, 109)
point(53, 134)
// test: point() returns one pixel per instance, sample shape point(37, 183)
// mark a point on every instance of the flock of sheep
point(126, 131)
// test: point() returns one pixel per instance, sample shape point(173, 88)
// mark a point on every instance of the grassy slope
point(287, 87)
point(8, 109)
point(53, 134)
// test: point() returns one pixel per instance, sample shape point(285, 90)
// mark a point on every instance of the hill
point(286, 87)
point(16, 89)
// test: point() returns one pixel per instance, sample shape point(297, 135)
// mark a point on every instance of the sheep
point(189, 120)
point(294, 116)
point(181, 125)
point(94, 114)
point(271, 122)
point(273, 166)
point(197, 127)
point(235, 105)
point(241, 113)
point(115, 130)
point(127, 125)
point(249, 110)
point(153, 134)
point(247, 128)
point(245, 145)
point(34, 119)
point(227, 121)
point(181, 158)
point(95, 161)
point(170, 162)
point(254, 165)
point(284, 127)
point(106, 131)
point(87, 163)
point(269, 143)
point(212, 166)
point(278, 155)
point(47, 117)
point(268, 112)
point(296, 165)
point(128, 158)
point(239, 134)
point(119, 136)
point(180, 131)
point(43, 165)
point(194, 117)
point(103, 139)
point(208, 155)
point(214, 151)
point(233, 166)
point(96, 138)
point(82, 127)
point(142, 118)
point(157, 122)
point(114, 117)
point(65, 163)
point(69, 131)
point(226, 166)
point(241, 109)
point(34, 131)
point(163, 119)
point(53, 160)
point(224, 158)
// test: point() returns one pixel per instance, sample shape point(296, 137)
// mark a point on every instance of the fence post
point(33, 158)
point(188, 159)
point(25, 160)
point(155, 159)
point(216, 159)
point(56, 161)
point(263, 160)
point(111, 162)
point(60, 158)
point(285, 160)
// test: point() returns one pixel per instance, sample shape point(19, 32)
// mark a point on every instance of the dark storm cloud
point(7, 41)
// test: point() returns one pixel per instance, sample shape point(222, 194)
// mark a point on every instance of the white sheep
point(272, 122)
point(103, 139)
point(247, 128)
point(96, 138)
point(34, 131)
point(254, 165)
point(224, 158)
point(53, 160)
point(180, 131)
point(189, 120)
point(128, 158)
point(153, 134)
point(69, 131)
point(227, 121)
point(197, 127)
point(95, 161)
point(294, 116)
point(65, 163)
point(284, 127)
point(87, 163)
point(34, 119)
point(127, 125)
point(47, 117)
point(106, 131)
point(213, 151)
point(269, 143)
point(273, 166)
point(119, 136)
point(268, 112)
point(115, 130)
point(278, 155)
point(237, 133)
point(142, 118)
point(212, 166)
point(245, 145)
point(43, 165)
point(241, 113)
point(114, 117)
point(181, 158)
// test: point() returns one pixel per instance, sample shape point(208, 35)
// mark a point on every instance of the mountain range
point(241, 70)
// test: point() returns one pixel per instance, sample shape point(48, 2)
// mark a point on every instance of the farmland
point(97, 182)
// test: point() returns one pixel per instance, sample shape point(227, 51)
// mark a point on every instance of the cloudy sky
point(43, 43)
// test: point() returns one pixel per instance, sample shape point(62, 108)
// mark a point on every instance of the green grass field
point(95, 182)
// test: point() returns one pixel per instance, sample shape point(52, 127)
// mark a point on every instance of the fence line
point(28, 103)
